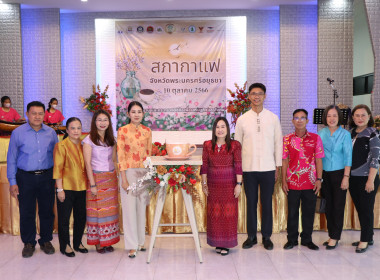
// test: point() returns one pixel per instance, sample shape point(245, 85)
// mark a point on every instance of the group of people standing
point(331, 161)
point(85, 174)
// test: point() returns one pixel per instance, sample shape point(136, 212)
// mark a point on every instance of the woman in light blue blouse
point(336, 171)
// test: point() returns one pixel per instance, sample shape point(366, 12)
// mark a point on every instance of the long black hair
point(70, 120)
point(109, 139)
point(50, 102)
point(228, 136)
point(134, 103)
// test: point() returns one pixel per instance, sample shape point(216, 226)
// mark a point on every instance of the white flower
point(162, 184)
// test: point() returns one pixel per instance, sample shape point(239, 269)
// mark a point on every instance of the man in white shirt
point(259, 132)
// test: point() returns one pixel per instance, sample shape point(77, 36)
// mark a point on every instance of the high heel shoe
point(81, 250)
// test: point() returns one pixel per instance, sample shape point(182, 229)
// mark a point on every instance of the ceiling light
point(83, 0)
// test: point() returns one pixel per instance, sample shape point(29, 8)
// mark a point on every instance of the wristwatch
point(320, 179)
point(239, 183)
point(59, 190)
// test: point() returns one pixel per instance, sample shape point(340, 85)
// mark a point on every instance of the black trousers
point(74, 201)
point(364, 204)
point(34, 188)
point(266, 180)
point(335, 201)
point(308, 199)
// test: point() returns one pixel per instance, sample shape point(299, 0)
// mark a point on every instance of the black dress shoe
point(310, 245)
point(48, 248)
point(268, 244)
point(290, 244)
point(325, 243)
point(28, 250)
point(81, 250)
point(328, 247)
point(361, 250)
point(357, 243)
point(249, 242)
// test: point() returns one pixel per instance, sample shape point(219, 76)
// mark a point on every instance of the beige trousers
point(134, 211)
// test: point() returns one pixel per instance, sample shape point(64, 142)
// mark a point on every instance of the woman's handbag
point(320, 206)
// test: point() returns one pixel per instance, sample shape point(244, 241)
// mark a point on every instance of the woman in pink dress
point(53, 115)
point(99, 151)
point(221, 180)
point(7, 113)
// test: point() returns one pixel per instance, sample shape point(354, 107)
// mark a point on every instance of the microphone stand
point(335, 91)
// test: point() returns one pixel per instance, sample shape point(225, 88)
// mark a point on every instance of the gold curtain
point(175, 212)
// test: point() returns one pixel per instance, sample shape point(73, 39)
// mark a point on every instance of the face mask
point(7, 105)
point(54, 106)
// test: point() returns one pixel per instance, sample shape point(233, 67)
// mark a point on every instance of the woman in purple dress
point(221, 180)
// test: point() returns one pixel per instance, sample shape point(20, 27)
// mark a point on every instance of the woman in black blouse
point(364, 180)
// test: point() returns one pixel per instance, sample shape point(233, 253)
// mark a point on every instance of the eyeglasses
point(302, 119)
point(257, 93)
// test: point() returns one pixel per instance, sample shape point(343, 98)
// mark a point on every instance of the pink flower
point(212, 101)
point(117, 84)
point(162, 115)
point(219, 104)
point(196, 103)
point(124, 98)
point(190, 101)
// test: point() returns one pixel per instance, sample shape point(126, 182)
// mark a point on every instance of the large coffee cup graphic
point(146, 95)
point(180, 150)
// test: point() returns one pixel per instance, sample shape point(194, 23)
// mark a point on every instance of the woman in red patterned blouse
point(221, 180)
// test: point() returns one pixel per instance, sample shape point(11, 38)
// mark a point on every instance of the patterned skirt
point(103, 211)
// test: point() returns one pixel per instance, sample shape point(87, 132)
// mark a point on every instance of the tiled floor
point(176, 258)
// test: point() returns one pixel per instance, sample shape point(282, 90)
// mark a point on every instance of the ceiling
point(149, 5)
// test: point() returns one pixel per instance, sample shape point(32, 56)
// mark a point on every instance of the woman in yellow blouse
point(134, 144)
point(71, 180)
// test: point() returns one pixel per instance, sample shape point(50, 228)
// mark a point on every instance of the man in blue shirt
point(30, 175)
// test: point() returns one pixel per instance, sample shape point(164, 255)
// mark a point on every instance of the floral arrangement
point(240, 103)
point(158, 149)
point(175, 177)
point(97, 100)
point(130, 60)
point(377, 122)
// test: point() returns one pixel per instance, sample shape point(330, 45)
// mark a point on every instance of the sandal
point(132, 253)
point(218, 250)
point(224, 251)
point(141, 248)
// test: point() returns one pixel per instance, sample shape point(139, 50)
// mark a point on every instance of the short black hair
point(4, 98)
point(328, 108)
point(35, 104)
point(257, 85)
point(300, 110)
